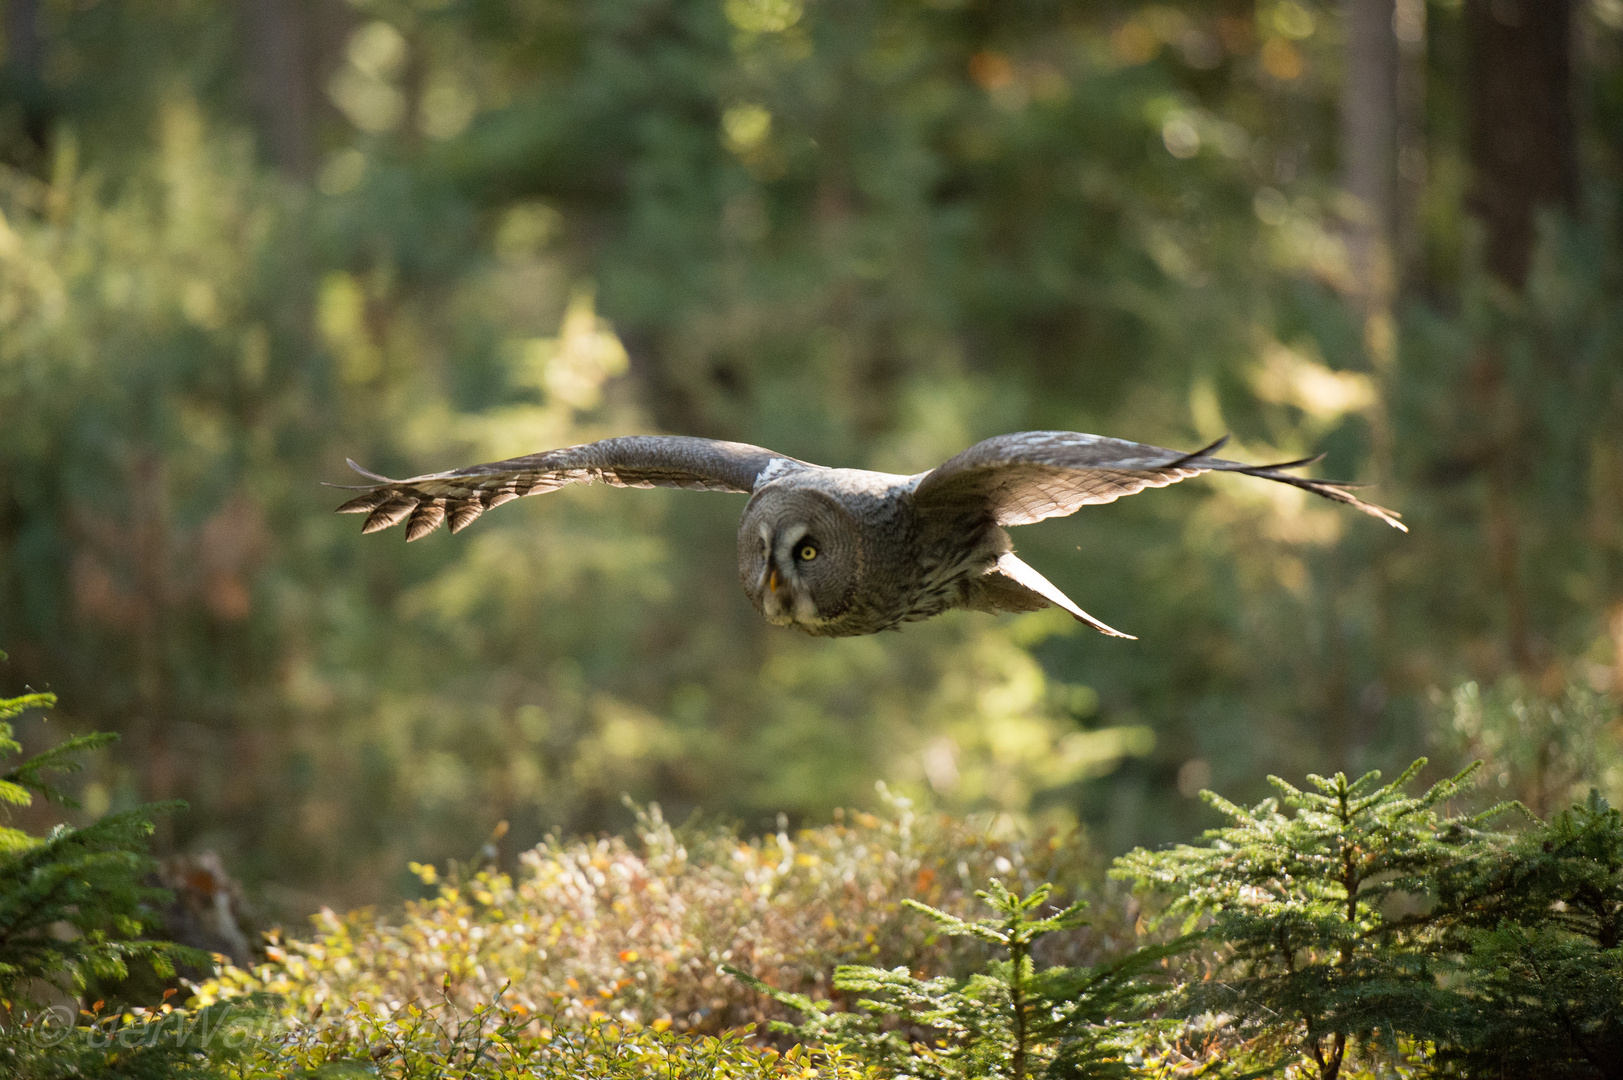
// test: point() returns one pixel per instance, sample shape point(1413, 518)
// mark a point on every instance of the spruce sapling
point(1315, 957)
point(1538, 925)
point(1011, 1020)
point(90, 879)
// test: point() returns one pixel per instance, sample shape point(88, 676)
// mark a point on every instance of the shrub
point(1344, 929)
point(635, 931)
point(133, 1044)
point(409, 1042)
point(92, 880)
point(244, 1040)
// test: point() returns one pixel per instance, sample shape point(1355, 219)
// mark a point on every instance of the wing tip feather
point(390, 512)
point(368, 473)
point(1202, 452)
point(463, 516)
point(1389, 516)
point(1300, 463)
point(361, 504)
point(1103, 628)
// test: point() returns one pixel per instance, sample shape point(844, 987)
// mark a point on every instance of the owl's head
point(801, 557)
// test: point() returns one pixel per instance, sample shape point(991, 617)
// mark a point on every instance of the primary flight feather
point(840, 552)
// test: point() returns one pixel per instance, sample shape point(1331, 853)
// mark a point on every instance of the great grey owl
point(840, 552)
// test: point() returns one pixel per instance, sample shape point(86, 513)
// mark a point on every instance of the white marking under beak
point(781, 600)
point(770, 585)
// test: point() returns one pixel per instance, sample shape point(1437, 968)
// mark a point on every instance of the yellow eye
point(807, 553)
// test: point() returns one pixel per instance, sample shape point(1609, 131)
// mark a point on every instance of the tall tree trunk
point(1369, 141)
point(25, 57)
point(25, 49)
point(1522, 145)
point(1520, 127)
point(291, 47)
point(279, 80)
point(1413, 166)
point(1369, 173)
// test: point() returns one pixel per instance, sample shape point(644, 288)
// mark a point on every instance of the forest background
point(242, 241)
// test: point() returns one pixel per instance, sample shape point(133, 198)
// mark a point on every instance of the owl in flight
point(841, 552)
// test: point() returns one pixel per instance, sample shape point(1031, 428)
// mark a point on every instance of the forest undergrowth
point(1343, 927)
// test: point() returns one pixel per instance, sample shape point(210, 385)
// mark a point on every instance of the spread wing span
point(1032, 475)
point(461, 495)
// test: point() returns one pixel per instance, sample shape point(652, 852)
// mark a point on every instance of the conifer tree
point(1538, 925)
point(1315, 959)
point(91, 879)
point(1010, 1020)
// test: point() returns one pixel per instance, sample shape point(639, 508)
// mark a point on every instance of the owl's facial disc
point(791, 574)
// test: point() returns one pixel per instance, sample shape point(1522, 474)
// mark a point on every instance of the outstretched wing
point(1033, 475)
point(460, 496)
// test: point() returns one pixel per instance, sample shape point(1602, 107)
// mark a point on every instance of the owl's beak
point(772, 579)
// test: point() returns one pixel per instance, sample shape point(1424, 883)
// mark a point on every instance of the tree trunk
point(1522, 146)
point(1413, 164)
point(1369, 173)
point(278, 81)
point(25, 57)
point(25, 50)
point(1369, 142)
point(290, 48)
point(1521, 134)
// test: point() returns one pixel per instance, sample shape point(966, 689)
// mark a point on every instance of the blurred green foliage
point(859, 231)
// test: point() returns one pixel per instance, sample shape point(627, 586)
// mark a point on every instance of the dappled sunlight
point(242, 243)
point(572, 367)
point(866, 238)
point(1288, 376)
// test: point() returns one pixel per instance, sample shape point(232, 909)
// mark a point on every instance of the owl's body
point(842, 552)
point(903, 566)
